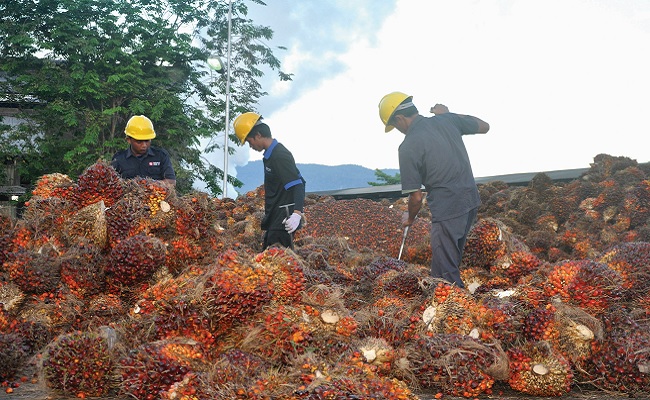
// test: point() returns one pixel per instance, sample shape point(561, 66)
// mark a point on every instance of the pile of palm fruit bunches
point(113, 287)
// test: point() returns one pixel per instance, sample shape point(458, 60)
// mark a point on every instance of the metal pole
point(227, 130)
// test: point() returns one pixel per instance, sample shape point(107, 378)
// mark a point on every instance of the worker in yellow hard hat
point(433, 156)
point(141, 159)
point(284, 186)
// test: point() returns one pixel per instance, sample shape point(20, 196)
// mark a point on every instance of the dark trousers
point(277, 236)
point(447, 244)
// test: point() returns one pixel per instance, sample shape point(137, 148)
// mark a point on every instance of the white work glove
point(291, 223)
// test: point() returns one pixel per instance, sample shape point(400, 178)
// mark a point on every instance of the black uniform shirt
point(155, 164)
point(283, 184)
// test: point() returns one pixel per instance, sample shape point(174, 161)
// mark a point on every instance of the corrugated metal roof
point(395, 191)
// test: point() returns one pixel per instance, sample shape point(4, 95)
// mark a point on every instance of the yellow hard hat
point(388, 105)
point(140, 127)
point(244, 123)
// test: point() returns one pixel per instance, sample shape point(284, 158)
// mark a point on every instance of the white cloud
point(559, 82)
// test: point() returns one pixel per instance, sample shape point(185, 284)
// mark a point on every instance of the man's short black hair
point(263, 129)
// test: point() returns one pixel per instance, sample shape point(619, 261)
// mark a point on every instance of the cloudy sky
point(559, 81)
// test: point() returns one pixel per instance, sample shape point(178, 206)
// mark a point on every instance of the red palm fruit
point(99, 181)
point(499, 318)
point(135, 260)
point(449, 310)
point(79, 362)
point(539, 370)
point(195, 214)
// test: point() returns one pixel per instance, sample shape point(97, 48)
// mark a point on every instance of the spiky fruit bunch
point(12, 355)
point(79, 364)
point(33, 272)
point(409, 284)
point(82, 269)
point(499, 318)
point(236, 366)
point(632, 262)
point(195, 214)
point(99, 181)
point(147, 371)
point(539, 370)
point(52, 185)
point(455, 364)
point(177, 318)
point(485, 244)
point(288, 279)
point(48, 214)
point(236, 288)
point(588, 284)
point(135, 259)
point(278, 335)
point(449, 310)
point(541, 324)
point(127, 217)
point(522, 263)
point(182, 252)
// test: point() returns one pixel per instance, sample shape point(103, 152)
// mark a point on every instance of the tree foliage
point(385, 179)
point(77, 70)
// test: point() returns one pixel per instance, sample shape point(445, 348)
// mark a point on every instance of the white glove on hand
point(291, 223)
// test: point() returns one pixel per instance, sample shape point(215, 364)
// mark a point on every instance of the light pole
point(215, 63)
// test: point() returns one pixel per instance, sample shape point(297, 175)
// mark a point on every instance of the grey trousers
point(447, 244)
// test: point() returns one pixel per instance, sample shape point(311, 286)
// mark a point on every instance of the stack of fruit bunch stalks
point(88, 223)
point(631, 261)
point(132, 262)
point(620, 361)
point(607, 205)
point(80, 364)
point(365, 224)
point(538, 369)
point(456, 364)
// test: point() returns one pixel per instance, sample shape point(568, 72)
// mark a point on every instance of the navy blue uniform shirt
point(155, 164)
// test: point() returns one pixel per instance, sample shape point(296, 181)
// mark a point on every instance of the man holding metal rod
point(284, 186)
point(433, 155)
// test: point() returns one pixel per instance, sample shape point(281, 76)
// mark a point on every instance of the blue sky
point(558, 81)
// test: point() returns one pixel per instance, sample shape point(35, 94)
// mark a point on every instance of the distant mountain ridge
point(319, 177)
